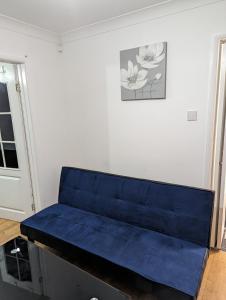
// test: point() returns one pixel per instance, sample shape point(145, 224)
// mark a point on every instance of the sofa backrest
point(179, 211)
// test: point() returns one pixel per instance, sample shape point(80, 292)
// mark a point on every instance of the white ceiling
point(65, 15)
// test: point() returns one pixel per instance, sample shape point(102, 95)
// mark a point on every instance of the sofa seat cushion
point(160, 258)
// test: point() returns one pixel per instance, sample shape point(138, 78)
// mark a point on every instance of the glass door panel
point(4, 98)
point(8, 153)
point(6, 127)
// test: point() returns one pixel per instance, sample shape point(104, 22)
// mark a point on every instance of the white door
point(222, 169)
point(15, 182)
point(222, 195)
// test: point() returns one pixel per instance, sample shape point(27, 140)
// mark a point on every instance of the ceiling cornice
point(156, 11)
point(163, 9)
point(22, 28)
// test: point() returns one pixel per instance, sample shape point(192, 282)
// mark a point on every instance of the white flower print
point(150, 56)
point(133, 79)
point(158, 76)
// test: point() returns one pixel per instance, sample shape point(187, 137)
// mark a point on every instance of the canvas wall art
point(143, 72)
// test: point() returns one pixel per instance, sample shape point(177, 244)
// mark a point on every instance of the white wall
point(150, 139)
point(48, 108)
point(87, 97)
point(78, 117)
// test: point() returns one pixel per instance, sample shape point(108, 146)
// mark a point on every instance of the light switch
point(192, 115)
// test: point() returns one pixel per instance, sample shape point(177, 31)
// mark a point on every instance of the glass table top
point(29, 272)
point(32, 272)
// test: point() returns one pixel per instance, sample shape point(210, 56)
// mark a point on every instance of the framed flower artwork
point(143, 72)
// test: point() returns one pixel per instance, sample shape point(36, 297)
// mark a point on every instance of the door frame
point(22, 63)
point(217, 122)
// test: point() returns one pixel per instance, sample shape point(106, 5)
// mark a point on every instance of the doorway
point(218, 174)
point(16, 193)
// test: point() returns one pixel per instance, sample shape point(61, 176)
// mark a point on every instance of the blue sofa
point(160, 231)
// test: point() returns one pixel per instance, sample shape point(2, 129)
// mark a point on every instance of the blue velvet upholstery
point(179, 211)
point(158, 230)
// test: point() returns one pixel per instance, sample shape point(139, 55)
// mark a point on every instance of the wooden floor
point(8, 230)
point(214, 281)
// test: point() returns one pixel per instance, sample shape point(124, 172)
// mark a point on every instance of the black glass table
point(30, 271)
